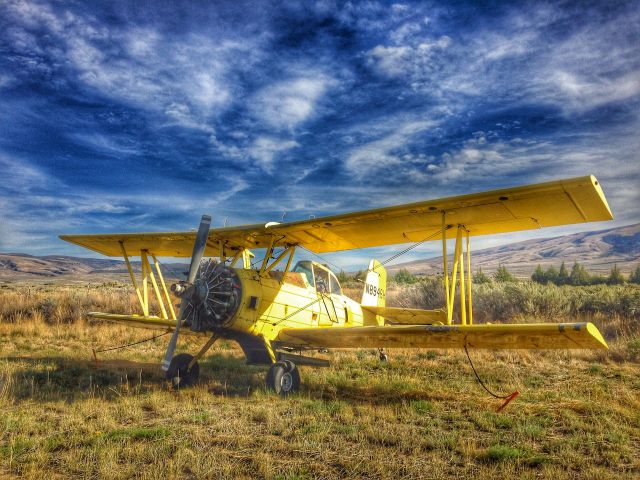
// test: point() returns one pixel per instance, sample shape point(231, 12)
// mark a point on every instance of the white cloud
point(385, 152)
point(265, 149)
point(410, 61)
point(188, 78)
point(287, 104)
point(114, 144)
point(22, 177)
point(592, 65)
point(587, 92)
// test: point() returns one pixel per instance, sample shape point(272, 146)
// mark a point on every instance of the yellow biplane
point(273, 314)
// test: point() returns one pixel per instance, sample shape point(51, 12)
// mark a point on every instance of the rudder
point(375, 285)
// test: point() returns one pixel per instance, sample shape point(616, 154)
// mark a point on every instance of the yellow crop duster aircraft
point(272, 314)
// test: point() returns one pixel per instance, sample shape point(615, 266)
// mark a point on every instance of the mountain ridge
point(597, 250)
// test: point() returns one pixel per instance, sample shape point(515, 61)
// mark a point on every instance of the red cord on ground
point(508, 400)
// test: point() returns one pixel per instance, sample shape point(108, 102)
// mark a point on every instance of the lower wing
point(140, 321)
point(487, 336)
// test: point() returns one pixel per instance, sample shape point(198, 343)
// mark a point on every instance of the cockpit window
point(335, 285)
point(305, 268)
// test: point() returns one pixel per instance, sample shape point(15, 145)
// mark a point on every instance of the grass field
point(421, 415)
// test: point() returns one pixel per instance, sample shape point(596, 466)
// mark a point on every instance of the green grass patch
point(501, 453)
point(330, 408)
point(421, 407)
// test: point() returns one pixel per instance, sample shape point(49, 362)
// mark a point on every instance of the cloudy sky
point(141, 116)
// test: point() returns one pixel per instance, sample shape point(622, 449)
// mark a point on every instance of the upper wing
point(489, 336)
point(548, 204)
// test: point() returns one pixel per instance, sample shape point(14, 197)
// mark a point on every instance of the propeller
point(198, 251)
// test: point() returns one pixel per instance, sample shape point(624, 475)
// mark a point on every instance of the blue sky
point(122, 116)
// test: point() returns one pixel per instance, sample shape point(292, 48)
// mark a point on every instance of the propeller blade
point(199, 246)
point(198, 251)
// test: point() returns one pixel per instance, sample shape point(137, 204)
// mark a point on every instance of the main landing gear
point(184, 369)
point(179, 373)
point(283, 378)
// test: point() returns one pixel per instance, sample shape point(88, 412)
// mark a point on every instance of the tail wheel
point(179, 373)
point(383, 355)
point(283, 378)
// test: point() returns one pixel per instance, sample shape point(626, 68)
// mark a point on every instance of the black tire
point(283, 378)
point(177, 373)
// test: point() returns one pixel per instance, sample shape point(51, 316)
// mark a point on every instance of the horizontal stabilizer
point(536, 336)
point(409, 316)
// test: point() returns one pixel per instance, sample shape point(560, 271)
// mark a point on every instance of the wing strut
point(464, 285)
point(149, 277)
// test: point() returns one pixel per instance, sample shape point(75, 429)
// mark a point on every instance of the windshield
point(335, 285)
point(304, 267)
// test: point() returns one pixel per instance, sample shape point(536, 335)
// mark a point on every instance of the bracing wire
point(390, 259)
point(132, 344)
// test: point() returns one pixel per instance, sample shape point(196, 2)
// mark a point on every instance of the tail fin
point(375, 285)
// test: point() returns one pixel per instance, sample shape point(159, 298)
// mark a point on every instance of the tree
point(360, 275)
point(551, 275)
point(480, 277)
point(635, 276)
point(615, 277)
point(579, 275)
point(563, 275)
point(405, 276)
point(342, 277)
point(503, 275)
point(538, 276)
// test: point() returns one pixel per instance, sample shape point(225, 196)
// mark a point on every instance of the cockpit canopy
point(319, 277)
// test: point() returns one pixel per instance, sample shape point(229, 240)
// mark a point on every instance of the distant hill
point(598, 251)
point(19, 266)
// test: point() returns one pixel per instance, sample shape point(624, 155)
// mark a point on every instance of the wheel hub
point(286, 382)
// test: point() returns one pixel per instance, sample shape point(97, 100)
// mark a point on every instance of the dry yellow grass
point(421, 415)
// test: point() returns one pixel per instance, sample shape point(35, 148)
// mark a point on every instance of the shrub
point(514, 300)
point(479, 277)
point(427, 294)
point(405, 276)
point(635, 276)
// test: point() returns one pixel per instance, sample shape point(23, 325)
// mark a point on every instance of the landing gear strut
point(283, 378)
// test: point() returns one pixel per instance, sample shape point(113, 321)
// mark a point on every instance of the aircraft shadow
point(54, 378)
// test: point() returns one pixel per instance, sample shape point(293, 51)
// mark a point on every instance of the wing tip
point(597, 336)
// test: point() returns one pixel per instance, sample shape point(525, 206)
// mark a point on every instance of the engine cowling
point(213, 299)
